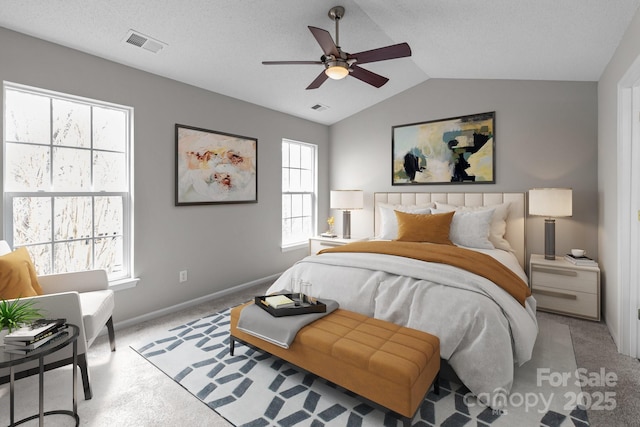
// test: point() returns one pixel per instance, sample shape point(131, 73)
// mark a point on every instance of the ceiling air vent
point(137, 39)
point(319, 107)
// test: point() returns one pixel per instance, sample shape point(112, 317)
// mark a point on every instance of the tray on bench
point(304, 308)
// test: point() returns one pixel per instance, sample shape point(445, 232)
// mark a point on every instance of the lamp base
point(550, 239)
point(346, 224)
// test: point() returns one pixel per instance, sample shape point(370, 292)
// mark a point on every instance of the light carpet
point(253, 388)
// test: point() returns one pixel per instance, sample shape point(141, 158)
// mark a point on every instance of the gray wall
point(221, 246)
point(546, 136)
point(627, 52)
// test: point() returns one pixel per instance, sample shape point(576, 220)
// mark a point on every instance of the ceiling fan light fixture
point(336, 70)
point(339, 64)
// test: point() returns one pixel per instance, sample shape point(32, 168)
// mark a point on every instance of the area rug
point(253, 388)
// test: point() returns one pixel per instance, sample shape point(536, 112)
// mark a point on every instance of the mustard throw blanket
point(472, 261)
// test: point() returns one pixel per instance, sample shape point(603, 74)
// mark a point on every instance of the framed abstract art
point(215, 167)
point(448, 151)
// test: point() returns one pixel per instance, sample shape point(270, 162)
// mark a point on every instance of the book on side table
point(29, 337)
point(580, 260)
point(25, 347)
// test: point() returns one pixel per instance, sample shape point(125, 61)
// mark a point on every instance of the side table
point(318, 243)
point(562, 287)
point(11, 361)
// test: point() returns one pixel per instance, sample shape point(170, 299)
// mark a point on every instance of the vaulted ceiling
point(219, 45)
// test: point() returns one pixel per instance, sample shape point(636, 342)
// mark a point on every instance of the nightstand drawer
point(319, 243)
point(564, 279)
point(316, 245)
point(566, 301)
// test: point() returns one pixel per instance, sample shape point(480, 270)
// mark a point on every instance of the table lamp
point(346, 200)
point(550, 203)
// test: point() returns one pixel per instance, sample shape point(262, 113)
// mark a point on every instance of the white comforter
point(483, 331)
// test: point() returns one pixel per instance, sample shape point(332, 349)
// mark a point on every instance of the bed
point(485, 330)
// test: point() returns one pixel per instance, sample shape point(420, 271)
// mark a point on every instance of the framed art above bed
point(455, 150)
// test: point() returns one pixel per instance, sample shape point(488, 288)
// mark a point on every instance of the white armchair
point(85, 300)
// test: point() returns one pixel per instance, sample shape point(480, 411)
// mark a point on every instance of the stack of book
point(580, 260)
point(28, 338)
point(279, 301)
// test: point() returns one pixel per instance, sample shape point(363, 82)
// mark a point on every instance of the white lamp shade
point(347, 199)
point(550, 202)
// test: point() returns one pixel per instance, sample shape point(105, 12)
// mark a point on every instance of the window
point(299, 178)
point(67, 182)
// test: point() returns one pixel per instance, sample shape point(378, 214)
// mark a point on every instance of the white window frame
point(124, 278)
point(287, 246)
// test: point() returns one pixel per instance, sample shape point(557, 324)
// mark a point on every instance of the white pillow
point(389, 222)
point(498, 223)
point(470, 228)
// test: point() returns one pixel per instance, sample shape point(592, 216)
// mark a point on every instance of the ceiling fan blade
point(322, 77)
point(400, 50)
point(367, 76)
point(325, 41)
point(291, 62)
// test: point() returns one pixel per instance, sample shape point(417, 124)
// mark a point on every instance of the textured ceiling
point(219, 45)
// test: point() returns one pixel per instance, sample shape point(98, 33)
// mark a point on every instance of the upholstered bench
point(391, 365)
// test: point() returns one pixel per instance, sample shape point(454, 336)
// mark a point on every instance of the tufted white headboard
point(515, 233)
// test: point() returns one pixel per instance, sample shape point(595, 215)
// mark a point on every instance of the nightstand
point(562, 287)
point(318, 243)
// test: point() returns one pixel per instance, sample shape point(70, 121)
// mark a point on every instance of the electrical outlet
point(183, 276)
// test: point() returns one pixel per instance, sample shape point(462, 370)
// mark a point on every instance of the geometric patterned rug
point(253, 388)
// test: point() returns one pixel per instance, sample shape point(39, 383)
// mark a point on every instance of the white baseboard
point(188, 304)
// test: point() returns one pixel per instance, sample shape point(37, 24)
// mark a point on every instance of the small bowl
point(578, 252)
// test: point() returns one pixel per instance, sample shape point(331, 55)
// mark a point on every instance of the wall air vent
point(137, 39)
point(319, 107)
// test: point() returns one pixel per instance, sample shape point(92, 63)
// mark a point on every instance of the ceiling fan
point(339, 64)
